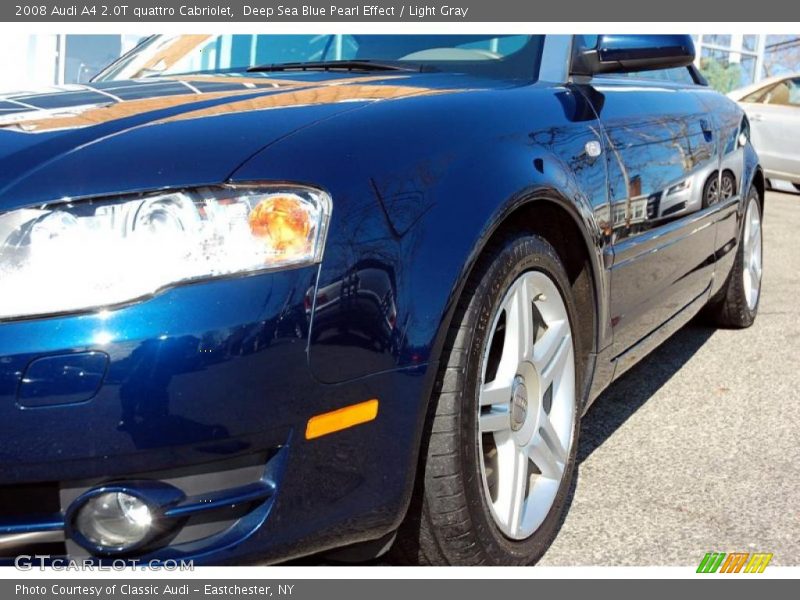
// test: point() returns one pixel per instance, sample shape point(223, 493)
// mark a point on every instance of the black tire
point(730, 308)
point(711, 190)
point(727, 186)
point(450, 522)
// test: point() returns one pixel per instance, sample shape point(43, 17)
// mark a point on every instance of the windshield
point(502, 56)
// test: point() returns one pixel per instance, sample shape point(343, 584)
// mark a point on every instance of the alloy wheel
point(526, 405)
point(712, 192)
point(751, 273)
point(726, 188)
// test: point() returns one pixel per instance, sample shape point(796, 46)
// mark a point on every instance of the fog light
point(115, 521)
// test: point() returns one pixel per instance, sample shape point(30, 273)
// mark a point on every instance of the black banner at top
point(320, 11)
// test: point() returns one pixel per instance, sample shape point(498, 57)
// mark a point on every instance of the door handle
point(757, 117)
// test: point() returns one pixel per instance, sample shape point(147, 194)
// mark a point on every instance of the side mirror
point(626, 53)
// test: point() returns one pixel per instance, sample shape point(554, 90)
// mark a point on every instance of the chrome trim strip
point(35, 537)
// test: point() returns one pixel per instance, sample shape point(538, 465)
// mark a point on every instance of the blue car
point(267, 296)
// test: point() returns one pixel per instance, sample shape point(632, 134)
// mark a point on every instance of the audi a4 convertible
point(269, 296)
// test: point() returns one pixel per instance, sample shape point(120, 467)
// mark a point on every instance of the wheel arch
point(548, 213)
point(759, 182)
point(545, 211)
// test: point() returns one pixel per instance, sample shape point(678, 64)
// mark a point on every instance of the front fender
point(416, 195)
point(752, 172)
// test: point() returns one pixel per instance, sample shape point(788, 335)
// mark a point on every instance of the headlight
point(70, 256)
point(679, 187)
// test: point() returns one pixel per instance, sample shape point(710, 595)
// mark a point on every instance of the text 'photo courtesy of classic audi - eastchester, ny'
point(267, 296)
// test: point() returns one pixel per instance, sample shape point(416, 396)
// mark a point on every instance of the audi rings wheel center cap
point(519, 404)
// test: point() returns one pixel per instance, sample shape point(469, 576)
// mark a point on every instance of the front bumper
point(203, 381)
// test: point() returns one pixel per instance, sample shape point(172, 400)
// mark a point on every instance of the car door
point(661, 152)
point(774, 115)
point(732, 132)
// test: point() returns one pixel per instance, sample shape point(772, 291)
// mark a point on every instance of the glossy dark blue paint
point(622, 48)
point(171, 363)
point(414, 204)
point(655, 140)
point(422, 169)
point(62, 379)
point(597, 54)
point(42, 522)
point(158, 496)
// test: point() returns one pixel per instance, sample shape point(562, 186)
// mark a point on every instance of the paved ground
point(698, 447)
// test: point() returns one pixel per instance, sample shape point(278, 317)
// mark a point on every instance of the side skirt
point(623, 362)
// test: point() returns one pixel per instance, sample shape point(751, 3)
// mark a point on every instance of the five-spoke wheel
point(500, 457)
point(736, 303)
point(526, 404)
point(751, 242)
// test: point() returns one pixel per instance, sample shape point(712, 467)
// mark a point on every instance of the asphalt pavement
point(697, 448)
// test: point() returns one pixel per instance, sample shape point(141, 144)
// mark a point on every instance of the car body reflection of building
point(99, 103)
point(361, 304)
point(702, 181)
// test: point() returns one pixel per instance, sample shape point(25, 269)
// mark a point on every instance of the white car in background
point(773, 108)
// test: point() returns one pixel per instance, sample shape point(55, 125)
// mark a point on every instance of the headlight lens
point(71, 256)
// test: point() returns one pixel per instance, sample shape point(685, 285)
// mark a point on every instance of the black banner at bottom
point(388, 589)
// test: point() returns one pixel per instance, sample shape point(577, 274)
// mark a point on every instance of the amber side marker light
point(336, 420)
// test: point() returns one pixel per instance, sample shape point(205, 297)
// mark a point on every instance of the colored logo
point(735, 562)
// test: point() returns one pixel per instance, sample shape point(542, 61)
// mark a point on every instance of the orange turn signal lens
point(336, 420)
point(283, 221)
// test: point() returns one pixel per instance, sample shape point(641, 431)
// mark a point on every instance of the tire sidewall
point(520, 255)
point(727, 174)
point(752, 196)
point(714, 177)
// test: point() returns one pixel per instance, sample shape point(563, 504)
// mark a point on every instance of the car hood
point(116, 137)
